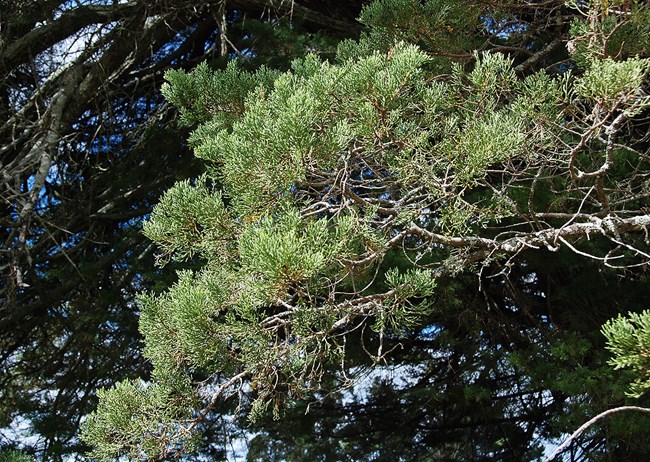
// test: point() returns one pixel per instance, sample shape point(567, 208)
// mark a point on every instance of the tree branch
point(589, 423)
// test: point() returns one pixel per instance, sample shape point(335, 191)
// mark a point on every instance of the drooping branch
point(588, 424)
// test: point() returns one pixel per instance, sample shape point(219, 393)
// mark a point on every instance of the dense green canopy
point(416, 242)
point(419, 236)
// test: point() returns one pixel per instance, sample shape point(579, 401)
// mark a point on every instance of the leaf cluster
point(628, 339)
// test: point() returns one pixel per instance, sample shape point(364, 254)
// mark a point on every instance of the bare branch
point(588, 424)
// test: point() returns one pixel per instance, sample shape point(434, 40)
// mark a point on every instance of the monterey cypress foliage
point(338, 196)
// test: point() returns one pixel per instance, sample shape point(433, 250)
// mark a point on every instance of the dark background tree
point(87, 147)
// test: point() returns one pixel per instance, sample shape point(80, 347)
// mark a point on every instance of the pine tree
point(338, 196)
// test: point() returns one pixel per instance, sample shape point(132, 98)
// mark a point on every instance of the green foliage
point(443, 27)
point(539, 98)
point(405, 313)
point(344, 192)
point(285, 252)
point(131, 418)
point(218, 96)
point(13, 455)
point(628, 338)
point(602, 33)
point(609, 82)
point(68, 310)
point(179, 325)
point(190, 220)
